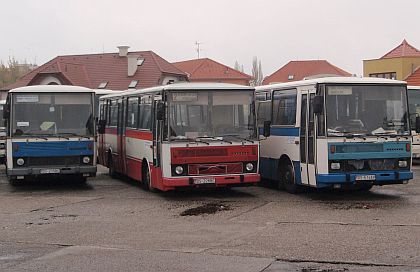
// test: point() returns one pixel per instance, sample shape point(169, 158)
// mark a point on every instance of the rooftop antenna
point(198, 48)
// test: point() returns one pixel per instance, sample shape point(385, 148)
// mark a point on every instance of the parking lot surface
point(115, 225)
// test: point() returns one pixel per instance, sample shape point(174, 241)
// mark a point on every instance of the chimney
point(123, 50)
point(132, 65)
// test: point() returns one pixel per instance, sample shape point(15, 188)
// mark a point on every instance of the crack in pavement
point(346, 224)
point(250, 210)
point(343, 262)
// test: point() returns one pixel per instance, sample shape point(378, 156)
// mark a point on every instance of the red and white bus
point(181, 135)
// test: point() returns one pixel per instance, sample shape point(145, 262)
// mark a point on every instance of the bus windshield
point(413, 105)
point(52, 114)
point(211, 114)
point(366, 110)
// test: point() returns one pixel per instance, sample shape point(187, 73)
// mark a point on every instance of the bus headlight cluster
point(179, 170)
point(402, 164)
point(335, 166)
point(249, 167)
point(86, 159)
point(20, 161)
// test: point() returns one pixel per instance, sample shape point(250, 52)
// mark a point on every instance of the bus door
point(157, 133)
point(121, 136)
point(307, 139)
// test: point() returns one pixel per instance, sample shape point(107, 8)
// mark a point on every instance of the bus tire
point(287, 179)
point(146, 179)
point(111, 170)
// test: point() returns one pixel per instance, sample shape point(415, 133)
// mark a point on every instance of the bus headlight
point(249, 167)
point(179, 170)
point(335, 166)
point(20, 161)
point(402, 164)
point(86, 160)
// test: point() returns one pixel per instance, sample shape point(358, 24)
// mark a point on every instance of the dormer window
point(133, 84)
point(291, 77)
point(140, 61)
point(103, 85)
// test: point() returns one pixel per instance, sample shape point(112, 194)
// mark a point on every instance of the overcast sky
point(344, 32)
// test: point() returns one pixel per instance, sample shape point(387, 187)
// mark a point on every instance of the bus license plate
point(204, 181)
point(365, 177)
point(49, 171)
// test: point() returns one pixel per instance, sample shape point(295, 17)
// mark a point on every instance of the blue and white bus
point(335, 132)
point(50, 132)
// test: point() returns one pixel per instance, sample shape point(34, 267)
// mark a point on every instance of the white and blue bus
point(335, 132)
point(50, 132)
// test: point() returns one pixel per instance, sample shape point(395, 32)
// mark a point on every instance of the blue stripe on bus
point(381, 177)
point(52, 148)
point(283, 131)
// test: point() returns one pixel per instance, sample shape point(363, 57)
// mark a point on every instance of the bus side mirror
point(267, 129)
point(160, 111)
point(101, 126)
point(418, 124)
point(318, 104)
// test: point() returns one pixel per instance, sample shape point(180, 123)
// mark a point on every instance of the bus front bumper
point(377, 178)
point(234, 180)
point(67, 170)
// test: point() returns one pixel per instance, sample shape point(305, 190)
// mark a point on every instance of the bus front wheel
point(146, 179)
point(287, 179)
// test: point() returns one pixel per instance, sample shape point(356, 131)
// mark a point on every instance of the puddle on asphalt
point(208, 208)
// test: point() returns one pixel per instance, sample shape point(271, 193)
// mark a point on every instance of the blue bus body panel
point(52, 148)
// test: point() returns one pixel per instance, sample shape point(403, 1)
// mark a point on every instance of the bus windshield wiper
point(73, 134)
point(237, 137)
point(41, 136)
point(181, 138)
point(215, 138)
point(354, 135)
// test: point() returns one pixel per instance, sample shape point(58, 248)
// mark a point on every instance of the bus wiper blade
point(355, 135)
point(74, 134)
point(215, 138)
point(237, 137)
point(183, 139)
point(41, 136)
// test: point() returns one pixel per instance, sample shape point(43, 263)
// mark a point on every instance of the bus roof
point(51, 89)
point(106, 91)
point(339, 80)
point(413, 87)
point(183, 86)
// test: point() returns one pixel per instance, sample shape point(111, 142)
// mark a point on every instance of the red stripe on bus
point(136, 134)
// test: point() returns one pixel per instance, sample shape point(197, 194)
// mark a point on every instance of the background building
point(399, 63)
point(208, 70)
point(298, 70)
point(115, 71)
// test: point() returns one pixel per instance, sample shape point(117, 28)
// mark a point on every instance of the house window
point(103, 85)
point(133, 84)
point(389, 75)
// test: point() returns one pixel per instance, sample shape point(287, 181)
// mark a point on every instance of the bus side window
point(113, 114)
point(145, 111)
point(284, 108)
point(132, 112)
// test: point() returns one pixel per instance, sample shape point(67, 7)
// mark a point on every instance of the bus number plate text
point(49, 171)
point(365, 177)
point(204, 181)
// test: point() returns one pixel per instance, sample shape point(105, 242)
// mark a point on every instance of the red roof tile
point(402, 50)
point(414, 78)
point(298, 70)
point(208, 69)
point(92, 69)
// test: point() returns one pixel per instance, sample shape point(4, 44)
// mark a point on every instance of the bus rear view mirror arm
point(318, 104)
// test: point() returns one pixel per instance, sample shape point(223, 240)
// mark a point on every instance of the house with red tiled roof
point(208, 70)
point(114, 71)
point(304, 69)
point(414, 78)
point(399, 63)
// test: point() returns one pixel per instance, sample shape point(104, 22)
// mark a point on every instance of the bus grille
point(55, 161)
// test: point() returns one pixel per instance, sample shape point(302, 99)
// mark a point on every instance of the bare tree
point(238, 67)
point(257, 72)
point(13, 71)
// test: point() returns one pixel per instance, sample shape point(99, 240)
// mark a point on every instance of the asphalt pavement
point(115, 225)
